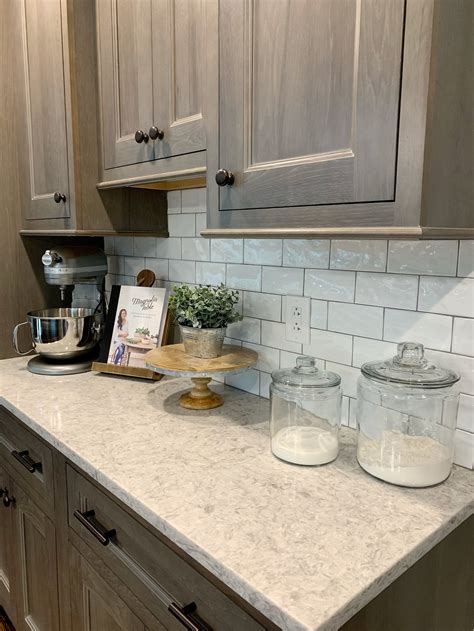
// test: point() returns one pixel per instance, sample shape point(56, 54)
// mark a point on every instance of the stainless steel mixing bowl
point(61, 334)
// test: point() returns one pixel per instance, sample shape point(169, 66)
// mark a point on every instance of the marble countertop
point(308, 547)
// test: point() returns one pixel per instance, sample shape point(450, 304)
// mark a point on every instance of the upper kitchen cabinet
point(57, 124)
point(318, 116)
point(151, 62)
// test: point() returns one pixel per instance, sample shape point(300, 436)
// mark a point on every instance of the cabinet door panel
point(6, 539)
point(125, 43)
point(43, 52)
point(36, 568)
point(94, 604)
point(309, 98)
point(178, 62)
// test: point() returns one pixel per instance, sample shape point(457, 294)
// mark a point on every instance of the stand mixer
point(67, 338)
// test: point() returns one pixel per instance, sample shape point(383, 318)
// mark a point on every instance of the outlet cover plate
point(297, 318)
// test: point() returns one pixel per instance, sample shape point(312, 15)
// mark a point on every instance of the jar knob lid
point(410, 354)
point(306, 364)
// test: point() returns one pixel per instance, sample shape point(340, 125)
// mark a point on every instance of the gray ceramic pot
point(204, 343)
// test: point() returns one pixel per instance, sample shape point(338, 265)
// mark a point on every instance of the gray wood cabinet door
point(95, 606)
point(45, 58)
point(36, 581)
point(126, 79)
point(178, 67)
point(309, 100)
point(6, 544)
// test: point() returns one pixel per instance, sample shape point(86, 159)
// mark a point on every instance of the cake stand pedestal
point(172, 360)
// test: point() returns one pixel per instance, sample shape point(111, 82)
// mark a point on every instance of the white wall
point(365, 296)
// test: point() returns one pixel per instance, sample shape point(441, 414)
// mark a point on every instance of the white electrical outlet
point(297, 319)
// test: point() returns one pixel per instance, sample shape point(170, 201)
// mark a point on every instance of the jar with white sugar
point(406, 418)
point(305, 418)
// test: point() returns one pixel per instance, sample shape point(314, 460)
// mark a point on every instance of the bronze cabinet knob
point(59, 197)
point(141, 136)
point(154, 133)
point(224, 177)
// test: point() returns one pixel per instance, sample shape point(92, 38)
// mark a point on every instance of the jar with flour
point(305, 405)
point(406, 418)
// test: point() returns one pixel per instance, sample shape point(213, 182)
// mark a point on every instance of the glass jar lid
point(409, 367)
point(305, 375)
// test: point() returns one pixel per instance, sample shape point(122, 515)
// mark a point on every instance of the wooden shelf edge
point(447, 233)
point(94, 233)
point(354, 232)
point(166, 179)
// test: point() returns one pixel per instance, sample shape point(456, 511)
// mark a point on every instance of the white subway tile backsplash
point(227, 250)
point(263, 306)
point(159, 266)
point(268, 358)
point(265, 381)
point(247, 330)
point(263, 251)
point(366, 350)
point(144, 246)
point(464, 449)
point(329, 285)
point(466, 413)
point(168, 248)
point(182, 271)
point(193, 200)
point(244, 277)
point(387, 290)
point(463, 336)
point(201, 223)
point(319, 314)
point(434, 331)
point(453, 296)
point(331, 346)
point(359, 255)
point(273, 334)
point(181, 225)
point(355, 319)
point(123, 246)
point(132, 265)
point(248, 381)
point(461, 364)
point(282, 280)
point(466, 258)
point(354, 293)
point(195, 249)
point(210, 273)
point(349, 377)
point(423, 257)
point(174, 202)
point(306, 253)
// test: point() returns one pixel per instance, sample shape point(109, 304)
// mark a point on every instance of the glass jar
point(406, 418)
point(305, 414)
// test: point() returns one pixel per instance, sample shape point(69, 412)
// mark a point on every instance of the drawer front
point(27, 455)
point(160, 578)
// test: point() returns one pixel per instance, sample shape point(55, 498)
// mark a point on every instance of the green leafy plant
point(204, 307)
point(143, 331)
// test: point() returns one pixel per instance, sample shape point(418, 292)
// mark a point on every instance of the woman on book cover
point(120, 335)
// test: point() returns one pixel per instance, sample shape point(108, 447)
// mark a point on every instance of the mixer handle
point(15, 340)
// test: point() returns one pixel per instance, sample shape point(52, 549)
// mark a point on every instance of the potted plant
point(203, 314)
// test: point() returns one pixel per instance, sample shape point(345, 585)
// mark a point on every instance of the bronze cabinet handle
point(141, 136)
point(100, 533)
point(188, 618)
point(24, 459)
point(59, 197)
point(224, 177)
point(154, 133)
point(6, 499)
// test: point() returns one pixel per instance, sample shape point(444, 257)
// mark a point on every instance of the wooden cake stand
point(172, 360)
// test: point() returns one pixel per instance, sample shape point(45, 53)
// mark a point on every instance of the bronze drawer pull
point(188, 618)
point(24, 459)
point(95, 529)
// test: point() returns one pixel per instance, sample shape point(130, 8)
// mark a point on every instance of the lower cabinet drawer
point(177, 594)
point(28, 456)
